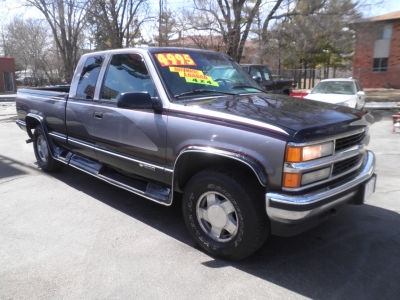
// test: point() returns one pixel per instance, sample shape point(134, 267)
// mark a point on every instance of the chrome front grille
point(349, 141)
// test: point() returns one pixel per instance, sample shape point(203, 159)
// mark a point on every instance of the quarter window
point(126, 73)
point(88, 78)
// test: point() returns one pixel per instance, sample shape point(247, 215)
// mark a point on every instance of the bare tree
point(208, 42)
point(66, 19)
point(286, 9)
point(27, 41)
point(230, 19)
point(167, 24)
point(119, 20)
point(233, 19)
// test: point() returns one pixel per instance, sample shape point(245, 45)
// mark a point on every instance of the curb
point(382, 105)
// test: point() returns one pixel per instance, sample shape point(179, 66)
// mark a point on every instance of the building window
point(382, 48)
point(384, 32)
point(380, 64)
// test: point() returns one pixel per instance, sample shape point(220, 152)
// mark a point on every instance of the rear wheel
point(224, 214)
point(42, 151)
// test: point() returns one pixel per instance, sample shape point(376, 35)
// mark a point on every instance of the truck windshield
point(334, 87)
point(190, 73)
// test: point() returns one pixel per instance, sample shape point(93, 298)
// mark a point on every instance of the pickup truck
point(262, 75)
point(170, 124)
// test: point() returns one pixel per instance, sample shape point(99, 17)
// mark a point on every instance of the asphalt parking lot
point(68, 235)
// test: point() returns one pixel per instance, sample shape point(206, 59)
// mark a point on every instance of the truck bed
point(48, 103)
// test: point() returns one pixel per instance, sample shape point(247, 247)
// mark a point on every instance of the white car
point(342, 91)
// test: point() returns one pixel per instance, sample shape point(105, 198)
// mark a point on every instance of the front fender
point(246, 160)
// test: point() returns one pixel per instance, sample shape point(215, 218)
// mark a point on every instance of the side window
point(88, 79)
point(126, 73)
point(254, 71)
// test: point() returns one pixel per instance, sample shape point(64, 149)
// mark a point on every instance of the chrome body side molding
point(141, 163)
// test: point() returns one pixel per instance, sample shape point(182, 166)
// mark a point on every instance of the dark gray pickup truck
point(164, 122)
point(262, 75)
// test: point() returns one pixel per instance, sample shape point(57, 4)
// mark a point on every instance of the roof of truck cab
point(174, 49)
point(147, 49)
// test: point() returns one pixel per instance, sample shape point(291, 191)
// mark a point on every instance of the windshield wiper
point(243, 86)
point(201, 91)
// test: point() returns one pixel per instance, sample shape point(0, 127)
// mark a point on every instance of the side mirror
point(139, 101)
point(256, 78)
point(308, 91)
point(361, 93)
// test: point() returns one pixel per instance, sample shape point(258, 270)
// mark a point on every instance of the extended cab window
point(126, 73)
point(88, 79)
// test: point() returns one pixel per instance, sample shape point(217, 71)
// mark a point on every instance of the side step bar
point(148, 190)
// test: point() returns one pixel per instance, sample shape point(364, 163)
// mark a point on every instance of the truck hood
point(300, 119)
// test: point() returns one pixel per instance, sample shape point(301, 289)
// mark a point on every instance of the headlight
point(305, 153)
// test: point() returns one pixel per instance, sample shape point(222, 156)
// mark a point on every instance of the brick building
point(377, 51)
point(7, 75)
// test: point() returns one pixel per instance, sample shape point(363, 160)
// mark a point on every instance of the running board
point(151, 191)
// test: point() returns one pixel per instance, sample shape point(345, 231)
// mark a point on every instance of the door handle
point(98, 115)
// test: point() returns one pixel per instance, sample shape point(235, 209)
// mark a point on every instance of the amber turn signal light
point(291, 180)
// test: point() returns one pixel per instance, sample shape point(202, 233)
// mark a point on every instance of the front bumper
point(286, 208)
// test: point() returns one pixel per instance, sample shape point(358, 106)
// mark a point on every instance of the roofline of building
point(382, 18)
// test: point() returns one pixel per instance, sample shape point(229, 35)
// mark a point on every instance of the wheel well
point(192, 163)
point(31, 123)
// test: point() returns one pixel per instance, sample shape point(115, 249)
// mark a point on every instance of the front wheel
point(224, 215)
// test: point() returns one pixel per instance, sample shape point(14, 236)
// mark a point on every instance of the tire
point(42, 151)
point(225, 215)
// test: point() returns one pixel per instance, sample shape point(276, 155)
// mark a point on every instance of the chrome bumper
point(287, 208)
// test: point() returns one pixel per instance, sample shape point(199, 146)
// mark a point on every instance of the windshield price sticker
point(201, 81)
point(174, 59)
point(194, 76)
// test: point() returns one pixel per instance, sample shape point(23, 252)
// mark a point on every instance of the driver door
point(130, 140)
